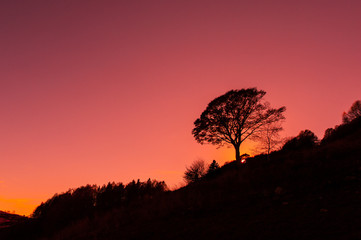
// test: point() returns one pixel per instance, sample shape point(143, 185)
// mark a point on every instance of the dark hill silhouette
point(8, 219)
point(296, 193)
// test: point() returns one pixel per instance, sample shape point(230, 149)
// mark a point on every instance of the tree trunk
point(238, 155)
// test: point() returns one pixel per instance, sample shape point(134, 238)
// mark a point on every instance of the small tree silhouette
point(195, 172)
point(212, 167)
point(269, 138)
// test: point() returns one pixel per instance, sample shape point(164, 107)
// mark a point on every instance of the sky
point(99, 91)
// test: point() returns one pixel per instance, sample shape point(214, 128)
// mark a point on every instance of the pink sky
point(98, 91)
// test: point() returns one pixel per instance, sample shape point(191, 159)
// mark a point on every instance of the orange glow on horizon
point(24, 207)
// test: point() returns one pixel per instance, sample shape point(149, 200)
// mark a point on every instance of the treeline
point(340, 131)
point(87, 201)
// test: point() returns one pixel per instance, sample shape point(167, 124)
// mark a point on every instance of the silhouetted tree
point(212, 167)
point(353, 113)
point(195, 172)
point(233, 117)
point(152, 187)
point(110, 196)
point(305, 139)
point(328, 134)
point(83, 200)
point(137, 190)
point(269, 138)
point(132, 191)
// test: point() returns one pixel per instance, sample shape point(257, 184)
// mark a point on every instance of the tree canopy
point(235, 116)
point(353, 113)
point(195, 172)
point(305, 139)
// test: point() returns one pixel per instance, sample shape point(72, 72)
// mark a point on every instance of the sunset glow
point(99, 91)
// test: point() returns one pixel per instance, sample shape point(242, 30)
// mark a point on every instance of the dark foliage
point(351, 121)
point(305, 139)
point(212, 167)
point(340, 131)
point(195, 172)
point(353, 113)
point(66, 208)
point(85, 202)
point(198, 171)
point(110, 195)
point(136, 191)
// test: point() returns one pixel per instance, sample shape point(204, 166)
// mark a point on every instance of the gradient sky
point(98, 91)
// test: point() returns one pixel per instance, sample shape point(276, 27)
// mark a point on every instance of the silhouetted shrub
point(195, 172)
point(212, 167)
point(305, 139)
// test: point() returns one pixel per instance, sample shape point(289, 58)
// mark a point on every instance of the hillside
point(8, 219)
point(302, 193)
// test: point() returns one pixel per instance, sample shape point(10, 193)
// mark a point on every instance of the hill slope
point(8, 219)
point(312, 193)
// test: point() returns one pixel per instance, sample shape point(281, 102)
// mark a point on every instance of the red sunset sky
point(99, 91)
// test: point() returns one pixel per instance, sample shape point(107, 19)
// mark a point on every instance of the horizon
point(95, 92)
